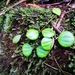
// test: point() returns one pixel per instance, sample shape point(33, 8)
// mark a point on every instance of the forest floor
point(16, 17)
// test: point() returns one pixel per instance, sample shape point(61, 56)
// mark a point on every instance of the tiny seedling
point(27, 49)
point(16, 39)
point(66, 39)
point(56, 11)
point(41, 53)
point(47, 43)
point(32, 34)
point(47, 32)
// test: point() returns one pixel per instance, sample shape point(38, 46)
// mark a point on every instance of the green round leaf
point(56, 11)
point(16, 39)
point(47, 32)
point(47, 43)
point(66, 39)
point(70, 65)
point(74, 70)
point(32, 34)
point(27, 49)
point(41, 52)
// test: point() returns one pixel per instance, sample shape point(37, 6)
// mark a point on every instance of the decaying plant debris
point(59, 61)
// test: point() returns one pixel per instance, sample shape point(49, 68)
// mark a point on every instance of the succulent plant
point(47, 32)
point(47, 43)
point(26, 49)
point(41, 53)
point(66, 39)
point(32, 34)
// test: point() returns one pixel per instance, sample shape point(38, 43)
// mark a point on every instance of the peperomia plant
point(26, 49)
point(47, 43)
point(47, 32)
point(32, 34)
point(56, 11)
point(41, 52)
point(66, 39)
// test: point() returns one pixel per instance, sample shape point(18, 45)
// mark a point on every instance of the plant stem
point(60, 19)
point(51, 66)
point(47, 23)
point(7, 2)
point(59, 66)
point(56, 28)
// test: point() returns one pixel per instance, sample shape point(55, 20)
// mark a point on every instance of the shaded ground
point(60, 61)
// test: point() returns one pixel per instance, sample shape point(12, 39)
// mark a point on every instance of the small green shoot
point(56, 11)
point(16, 39)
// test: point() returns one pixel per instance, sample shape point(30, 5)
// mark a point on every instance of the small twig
point(52, 25)
point(40, 5)
point(4, 11)
point(47, 23)
point(59, 66)
point(7, 2)
point(57, 3)
point(56, 28)
point(71, 5)
point(60, 19)
point(52, 4)
point(34, 5)
point(67, 73)
point(51, 66)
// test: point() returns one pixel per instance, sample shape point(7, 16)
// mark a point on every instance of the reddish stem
point(60, 19)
